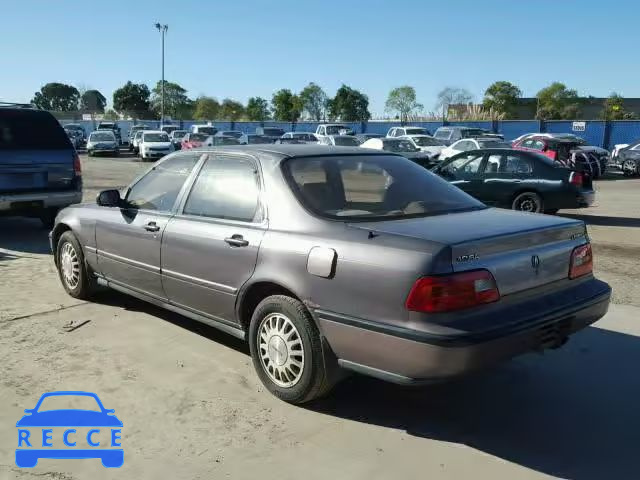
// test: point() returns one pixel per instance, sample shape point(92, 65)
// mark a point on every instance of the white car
point(154, 144)
point(426, 143)
point(466, 144)
point(135, 142)
point(306, 137)
point(206, 129)
point(327, 129)
point(404, 131)
point(340, 141)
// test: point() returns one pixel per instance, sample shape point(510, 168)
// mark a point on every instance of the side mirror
point(108, 198)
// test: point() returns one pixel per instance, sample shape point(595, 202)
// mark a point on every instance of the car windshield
point(273, 132)
point(444, 134)
point(337, 129)
point(346, 141)
point(399, 146)
point(197, 137)
point(69, 402)
point(427, 142)
point(155, 137)
point(416, 131)
point(207, 130)
point(101, 137)
point(371, 187)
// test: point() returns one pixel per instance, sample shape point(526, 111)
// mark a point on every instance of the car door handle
point(236, 241)
point(151, 227)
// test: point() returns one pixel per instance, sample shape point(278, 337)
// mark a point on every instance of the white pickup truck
point(329, 129)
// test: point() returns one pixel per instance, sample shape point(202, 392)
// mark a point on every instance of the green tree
point(502, 97)
point(287, 107)
point(452, 96)
point(206, 108)
point(111, 115)
point(349, 105)
point(557, 102)
point(132, 99)
point(93, 101)
point(257, 109)
point(231, 110)
point(58, 97)
point(175, 99)
point(314, 101)
point(403, 101)
point(614, 109)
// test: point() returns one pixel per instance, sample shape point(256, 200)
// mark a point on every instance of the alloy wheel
point(281, 350)
point(70, 265)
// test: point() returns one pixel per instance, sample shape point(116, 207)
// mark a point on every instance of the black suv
point(39, 168)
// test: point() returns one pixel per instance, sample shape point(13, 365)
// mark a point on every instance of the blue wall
point(597, 132)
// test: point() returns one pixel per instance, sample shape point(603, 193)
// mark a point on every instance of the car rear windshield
point(337, 129)
point(445, 134)
point(207, 130)
point(372, 187)
point(31, 130)
point(346, 141)
point(198, 137)
point(398, 146)
point(101, 137)
point(416, 131)
point(427, 142)
point(155, 137)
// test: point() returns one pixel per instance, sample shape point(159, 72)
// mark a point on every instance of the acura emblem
point(535, 262)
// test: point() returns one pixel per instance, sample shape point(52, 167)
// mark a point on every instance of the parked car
point(404, 147)
point(176, 138)
point(467, 144)
point(103, 142)
point(132, 134)
point(169, 128)
point(449, 135)
point(627, 156)
point(339, 140)
point(79, 131)
point(74, 138)
point(568, 151)
point(193, 140)
point(601, 154)
point(216, 140)
point(333, 129)
point(427, 144)
point(40, 170)
point(253, 138)
point(229, 133)
point(404, 131)
point(272, 133)
point(363, 137)
point(322, 267)
point(304, 137)
point(135, 143)
point(520, 180)
point(113, 126)
point(292, 141)
point(154, 144)
point(206, 129)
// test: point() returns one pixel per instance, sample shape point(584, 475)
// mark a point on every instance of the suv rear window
point(371, 187)
point(31, 130)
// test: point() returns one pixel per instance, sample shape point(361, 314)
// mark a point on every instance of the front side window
point(465, 164)
point(372, 187)
point(160, 187)
point(226, 188)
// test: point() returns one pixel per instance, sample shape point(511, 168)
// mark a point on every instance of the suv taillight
point(452, 292)
point(77, 166)
point(576, 178)
point(581, 261)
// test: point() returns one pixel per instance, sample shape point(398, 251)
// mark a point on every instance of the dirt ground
point(193, 408)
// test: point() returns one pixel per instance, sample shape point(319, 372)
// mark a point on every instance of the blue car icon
point(36, 418)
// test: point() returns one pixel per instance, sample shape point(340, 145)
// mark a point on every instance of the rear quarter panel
point(81, 220)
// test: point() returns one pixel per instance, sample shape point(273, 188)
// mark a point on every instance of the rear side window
point(226, 188)
point(31, 130)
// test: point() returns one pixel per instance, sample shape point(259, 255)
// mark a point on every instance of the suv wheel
point(76, 277)
point(287, 350)
point(528, 202)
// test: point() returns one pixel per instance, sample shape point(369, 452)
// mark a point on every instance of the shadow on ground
point(605, 221)
point(22, 235)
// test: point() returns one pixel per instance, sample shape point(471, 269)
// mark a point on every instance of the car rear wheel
point(528, 202)
point(630, 168)
point(76, 277)
point(287, 351)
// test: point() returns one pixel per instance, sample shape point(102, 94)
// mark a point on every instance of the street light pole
point(162, 29)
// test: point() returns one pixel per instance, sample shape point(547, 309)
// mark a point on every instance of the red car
point(192, 140)
point(562, 150)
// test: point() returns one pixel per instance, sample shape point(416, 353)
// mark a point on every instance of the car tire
point(279, 323)
point(528, 202)
point(89, 153)
point(76, 276)
point(48, 217)
point(630, 168)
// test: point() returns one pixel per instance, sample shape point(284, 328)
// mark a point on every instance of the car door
point(210, 247)
point(128, 237)
point(465, 172)
point(506, 174)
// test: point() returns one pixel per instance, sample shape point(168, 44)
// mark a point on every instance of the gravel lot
point(193, 408)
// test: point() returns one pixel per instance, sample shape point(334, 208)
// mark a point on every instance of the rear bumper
point(410, 356)
point(37, 200)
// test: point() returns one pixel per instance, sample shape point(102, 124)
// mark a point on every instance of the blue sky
point(244, 48)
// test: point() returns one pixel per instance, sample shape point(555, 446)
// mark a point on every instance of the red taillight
point(452, 292)
point(77, 167)
point(576, 178)
point(581, 261)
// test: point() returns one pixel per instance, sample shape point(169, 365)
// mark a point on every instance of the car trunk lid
point(29, 170)
point(522, 251)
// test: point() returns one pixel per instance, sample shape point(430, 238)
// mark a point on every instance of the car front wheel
point(630, 168)
point(528, 202)
point(75, 275)
point(287, 351)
